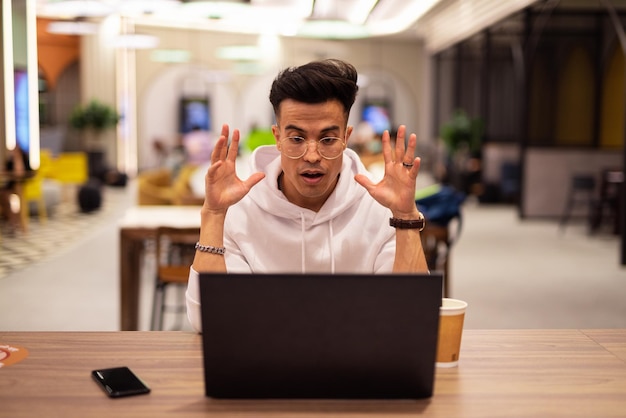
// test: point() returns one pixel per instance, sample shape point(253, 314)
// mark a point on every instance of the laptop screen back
point(320, 336)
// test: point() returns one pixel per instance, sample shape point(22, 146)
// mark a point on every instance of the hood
point(267, 195)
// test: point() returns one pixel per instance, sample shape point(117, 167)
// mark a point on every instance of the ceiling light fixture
point(170, 55)
point(72, 27)
point(377, 18)
point(70, 9)
point(384, 19)
point(215, 9)
point(135, 41)
point(361, 11)
point(249, 16)
point(331, 29)
point(355, 12)
point(146, 7)
point(239, 53)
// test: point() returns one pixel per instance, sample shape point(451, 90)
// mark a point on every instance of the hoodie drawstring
point(303, 249)
point(303, 245)
point(330, 244)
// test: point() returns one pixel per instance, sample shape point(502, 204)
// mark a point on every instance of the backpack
point(440, 205)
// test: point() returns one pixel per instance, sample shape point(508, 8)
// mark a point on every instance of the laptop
point(337, 336)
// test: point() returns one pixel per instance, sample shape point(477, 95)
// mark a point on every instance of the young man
point(310, 205)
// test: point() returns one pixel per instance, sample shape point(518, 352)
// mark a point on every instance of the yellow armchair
point(158, 187)
point(154, 187)
point(70, 167)
point(32, 190)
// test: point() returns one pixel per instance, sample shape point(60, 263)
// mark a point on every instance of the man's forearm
point(410, 256)
point(211, 235)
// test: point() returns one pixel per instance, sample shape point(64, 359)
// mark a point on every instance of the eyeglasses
point(295, 147)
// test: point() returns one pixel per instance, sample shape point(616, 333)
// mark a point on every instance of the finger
point(210, 173)
point(411, 145)
point(400, 144)
point(364, 181)
point(254, 179)
point(225, 130)
point(225, 133)
point(233, 148)
point(416, 167)
point(219, 151)
point(386, 147)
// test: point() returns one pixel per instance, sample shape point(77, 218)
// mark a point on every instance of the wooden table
point(138, 225)
point(502, 373)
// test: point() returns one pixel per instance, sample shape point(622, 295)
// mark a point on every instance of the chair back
point(70, 167)
point(583, 182)
point(175, 249)
point(437, 243)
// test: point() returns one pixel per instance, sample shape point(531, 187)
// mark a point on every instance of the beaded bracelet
point(210, 249)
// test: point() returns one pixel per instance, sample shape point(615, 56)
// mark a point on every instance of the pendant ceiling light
point(135, 41)
point(72, 27)
point(71, 9)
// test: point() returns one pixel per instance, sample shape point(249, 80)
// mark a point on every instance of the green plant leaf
point(94, 115)
point(461, 129)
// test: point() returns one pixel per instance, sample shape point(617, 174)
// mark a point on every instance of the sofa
point(163, 186)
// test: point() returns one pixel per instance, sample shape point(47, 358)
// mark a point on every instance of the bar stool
point(174, 254)
point(436, 244)
point(608, 205)
point(581, 192)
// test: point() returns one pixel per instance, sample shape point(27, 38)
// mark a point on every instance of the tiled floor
point(66, 227)
point(513, 273)
point(531, 274)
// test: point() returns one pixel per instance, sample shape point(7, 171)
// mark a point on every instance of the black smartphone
point(119, 381)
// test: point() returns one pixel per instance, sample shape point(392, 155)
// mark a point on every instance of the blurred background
point(518, 105)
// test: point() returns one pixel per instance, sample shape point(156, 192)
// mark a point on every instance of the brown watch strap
point(408, 223)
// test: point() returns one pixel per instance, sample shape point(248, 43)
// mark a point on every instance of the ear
point(276, 133)
point(348, 133)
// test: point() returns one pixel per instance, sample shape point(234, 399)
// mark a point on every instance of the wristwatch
point(419, 223)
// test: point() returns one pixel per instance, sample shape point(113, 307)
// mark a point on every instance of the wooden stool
point(581, 192)
point(436, 244)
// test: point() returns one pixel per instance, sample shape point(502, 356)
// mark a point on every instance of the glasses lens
point(330, 147)
point(296, 147)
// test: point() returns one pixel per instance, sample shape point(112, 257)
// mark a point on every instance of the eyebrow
point(302, 131)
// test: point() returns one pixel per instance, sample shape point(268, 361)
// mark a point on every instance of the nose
point(312, 154)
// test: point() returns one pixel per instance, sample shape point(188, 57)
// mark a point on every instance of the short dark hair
point(316, 82)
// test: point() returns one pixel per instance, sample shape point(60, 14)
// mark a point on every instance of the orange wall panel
point(55, 52)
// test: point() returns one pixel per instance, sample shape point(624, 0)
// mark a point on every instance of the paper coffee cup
point(451, 317)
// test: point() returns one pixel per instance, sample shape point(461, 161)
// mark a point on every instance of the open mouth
point(312, 175)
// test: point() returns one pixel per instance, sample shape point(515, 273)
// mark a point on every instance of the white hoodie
point(265, 233)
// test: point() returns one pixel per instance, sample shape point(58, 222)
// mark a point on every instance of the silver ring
point(407, 165)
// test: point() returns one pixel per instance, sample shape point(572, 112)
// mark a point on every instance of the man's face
point(309, 180)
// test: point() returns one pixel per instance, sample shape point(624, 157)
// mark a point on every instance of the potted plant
point(92, 120)
point(461, 133)
point(95, 117)
point(462, 137)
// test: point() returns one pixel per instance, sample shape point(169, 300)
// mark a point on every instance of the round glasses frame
point(300, 141)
